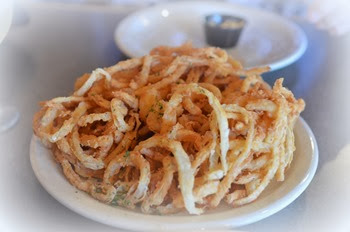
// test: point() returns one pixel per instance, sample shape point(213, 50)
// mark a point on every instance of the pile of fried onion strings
point(180, 128)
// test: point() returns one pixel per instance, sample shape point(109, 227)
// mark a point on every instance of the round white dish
point(266, 40)
point(275, 197)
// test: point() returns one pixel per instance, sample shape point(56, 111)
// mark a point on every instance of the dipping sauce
point(223, 30)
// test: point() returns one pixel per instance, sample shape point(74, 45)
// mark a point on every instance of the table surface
point(49, 45)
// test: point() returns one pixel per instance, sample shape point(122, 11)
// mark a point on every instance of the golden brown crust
point(176, 129)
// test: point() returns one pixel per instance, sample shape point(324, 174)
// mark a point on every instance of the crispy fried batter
point(176, 129)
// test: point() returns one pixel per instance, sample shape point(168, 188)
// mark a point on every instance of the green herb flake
point(127, 203)
point(152, 110)
point(98, 190)
point(118, 198)
point(127, 154)
point(114, 202)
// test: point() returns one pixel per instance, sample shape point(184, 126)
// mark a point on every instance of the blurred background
point(51, 42)
point(324, 14)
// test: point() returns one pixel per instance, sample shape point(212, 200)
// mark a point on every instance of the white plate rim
point(154, 222)
point(287, 60)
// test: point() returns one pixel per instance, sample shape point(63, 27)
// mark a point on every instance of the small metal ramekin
point(223, 30)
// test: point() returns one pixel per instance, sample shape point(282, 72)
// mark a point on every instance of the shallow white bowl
point(266, 40)
point(275, 197)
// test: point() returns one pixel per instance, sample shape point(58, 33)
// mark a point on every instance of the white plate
point(267, 39)
point(275, 197)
